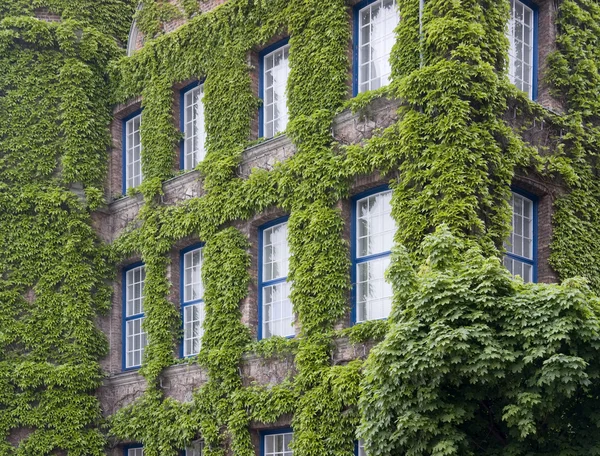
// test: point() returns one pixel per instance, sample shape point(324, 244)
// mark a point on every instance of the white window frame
point(132, 150)
point(191, 303)
point(287, 437)
point(521, 246)
point(272, 125)
point(383, 29)
point(133, 315)
point(377, 258)
point(278, 310)
point(193, 127)
point(522, 38)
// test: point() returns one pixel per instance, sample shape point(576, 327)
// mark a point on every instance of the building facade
point(368, 226)
point(254, 194)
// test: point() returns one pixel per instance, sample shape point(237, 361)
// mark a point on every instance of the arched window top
point(132, 40)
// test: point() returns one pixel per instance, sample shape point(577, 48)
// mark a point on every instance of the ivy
point(151, 15)
point(450, 159)
point(54, 271)
point(575, 76)
point(274, 347)
point(111, 18)
point(496, 367)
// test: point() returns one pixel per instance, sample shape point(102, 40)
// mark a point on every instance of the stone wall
point(44, 14)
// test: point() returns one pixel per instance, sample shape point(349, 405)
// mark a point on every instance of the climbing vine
point(574, 76)
point(450, 159)
point(321, 398)
point(496, 367)
point(54, 271)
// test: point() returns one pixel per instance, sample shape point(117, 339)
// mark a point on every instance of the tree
point(476, 362)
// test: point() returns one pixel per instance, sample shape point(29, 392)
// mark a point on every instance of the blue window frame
point(192, 299)
point(375, 22)
point(276, 442)
point(275, 313)
point(523, 51)
point(133, 450)
point(273, 75)
point(132, 151)
point(134, 335)
point(373, 232)
point(192, 124)
point(521, 246)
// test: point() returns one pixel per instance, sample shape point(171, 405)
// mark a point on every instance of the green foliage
point(275, 346)
point(109, 17)
point(365, 332)
point(152, 419)
point(158, 159)
point(152, 14)
point(326, 416)
point(54, 270)
point(495, 367)
point(454, 152)
point(230, 105)
point(575, 76)
point(451, 157)
point(470, 367)
point(225, 275)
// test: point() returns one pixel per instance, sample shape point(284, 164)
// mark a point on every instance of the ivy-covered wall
point(54, 272)
point(450, 159)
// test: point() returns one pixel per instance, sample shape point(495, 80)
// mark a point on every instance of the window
point(132, 152)
point(275, 309)
point(134, 451)
point(192, 126)
point(373, 238)
point(277, 443)
point(192, 302)
point(274, 76)
point(375, 23)
point(195, 449)
point(135, 339)
point(522, 31)
point(361, 449)
point(521, 255)
point(134, 36)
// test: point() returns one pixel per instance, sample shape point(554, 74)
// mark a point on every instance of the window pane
point(278, 444)
point(195, 449)
point(375, 226)
point(276, 71)
point(520, 35)
point(194, 128)
point(134, 291)
point(269, 444)
point(520, 243)
point(277, 312)
point(133, 149)
point(275, 252)
point(135, 342)
point(377, 23)
point(519, 268)
point(192, 275)
point(193, 321)
point(361, 448)
point(374, 293)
